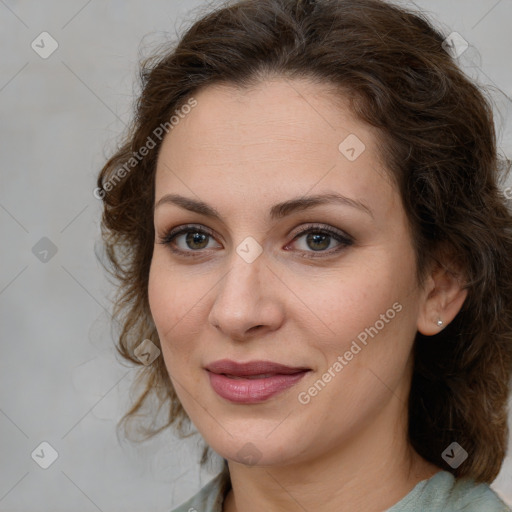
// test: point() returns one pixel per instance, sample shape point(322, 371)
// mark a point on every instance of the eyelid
point(188, 227)
point(324, 228)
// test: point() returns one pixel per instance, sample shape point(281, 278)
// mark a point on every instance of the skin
point(242, 151)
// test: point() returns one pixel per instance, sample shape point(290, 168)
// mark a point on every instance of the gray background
point(61, 381)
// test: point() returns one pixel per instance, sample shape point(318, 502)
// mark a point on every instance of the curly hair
point(438, 141)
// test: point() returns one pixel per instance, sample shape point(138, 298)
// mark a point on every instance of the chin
point(255, 452)
point(256, 442)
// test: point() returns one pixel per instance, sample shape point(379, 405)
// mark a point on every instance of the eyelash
point(343, 239)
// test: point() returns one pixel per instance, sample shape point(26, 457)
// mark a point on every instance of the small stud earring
point(439, 322)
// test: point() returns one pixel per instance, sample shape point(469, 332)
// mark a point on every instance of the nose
point(248, 300)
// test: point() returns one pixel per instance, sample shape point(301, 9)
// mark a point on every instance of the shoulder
point(210, 498)
point(471, 496)
point(444, 492)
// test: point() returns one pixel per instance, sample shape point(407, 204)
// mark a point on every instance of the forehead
point(292, 136)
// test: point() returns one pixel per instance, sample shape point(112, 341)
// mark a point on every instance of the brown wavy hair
point(438, 140)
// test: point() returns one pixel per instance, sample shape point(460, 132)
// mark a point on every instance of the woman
point(306, 221)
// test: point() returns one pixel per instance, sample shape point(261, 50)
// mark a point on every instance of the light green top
point(440, 493)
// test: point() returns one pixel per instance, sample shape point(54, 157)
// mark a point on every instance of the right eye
point(187, 240)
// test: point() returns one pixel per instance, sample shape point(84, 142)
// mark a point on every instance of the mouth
point(252, 382)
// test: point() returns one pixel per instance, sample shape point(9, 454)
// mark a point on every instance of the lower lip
point(250, 391)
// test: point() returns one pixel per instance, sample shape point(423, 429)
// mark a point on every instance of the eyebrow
point(277, 211)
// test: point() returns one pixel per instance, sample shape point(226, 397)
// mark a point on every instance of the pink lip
point(231, 380)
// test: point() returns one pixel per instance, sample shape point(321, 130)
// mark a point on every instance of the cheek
point(370, 313)
point(343, 304)
point(174, 303)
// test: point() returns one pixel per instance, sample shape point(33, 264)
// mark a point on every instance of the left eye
point(319, 239)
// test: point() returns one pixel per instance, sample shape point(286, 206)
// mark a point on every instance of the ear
point(443, 296)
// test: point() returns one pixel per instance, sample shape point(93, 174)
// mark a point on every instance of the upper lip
point(229, 367)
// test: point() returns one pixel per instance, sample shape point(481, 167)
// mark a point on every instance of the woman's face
point(325, 318)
